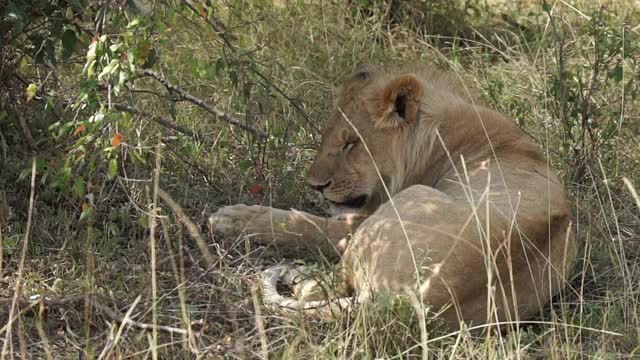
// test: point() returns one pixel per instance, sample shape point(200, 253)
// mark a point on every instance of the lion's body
point(476, 218)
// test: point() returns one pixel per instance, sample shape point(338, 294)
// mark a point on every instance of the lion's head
point(378, 133)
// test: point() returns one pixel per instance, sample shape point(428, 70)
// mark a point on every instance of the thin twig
point(164, 122)
point(3, 144)
point(201, 103)
point(178, 273)
point(632, 190)
point(289, 99)
point(47, 301)
point(110, 345)
point(23, 254)
point(24, 127)
point(191, 227)
point(152, 247)
point(42, 333)
point(216, 27)
point(127, 320)
point(418, 307)
point(2, 209)
point(22, 342)
point(107, 311)
point(198, 168)
point(264, 345)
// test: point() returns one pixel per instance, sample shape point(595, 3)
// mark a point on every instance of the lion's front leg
point(287, 228)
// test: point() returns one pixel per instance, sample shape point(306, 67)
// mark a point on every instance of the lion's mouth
point(355, 202)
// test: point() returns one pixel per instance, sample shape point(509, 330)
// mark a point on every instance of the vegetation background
point(104, 103)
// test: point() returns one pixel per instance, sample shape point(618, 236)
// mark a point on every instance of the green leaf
point(246, 90)
point(87, 213)
point(142, 51)
point(78, 188)
point(69, 41)
point(115, 47)
point(113, 169)
point(160, 27)
point(136, 157)
point(110, 69)
point(122, 78)
point(24, 174)
point(91, 53)
point(31, 91)
point(616, 73)
point(41, 164)
point(134, 23)
point(91, 69)
point(277, 131)
point(9, 244)
point(245, 165)
point(219, 66)
point(46, 52)
point(233, 76)
point(143, 220)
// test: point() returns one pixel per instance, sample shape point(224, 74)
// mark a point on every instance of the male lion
point(441, 195)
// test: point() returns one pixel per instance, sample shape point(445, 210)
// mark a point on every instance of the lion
point(430, 192)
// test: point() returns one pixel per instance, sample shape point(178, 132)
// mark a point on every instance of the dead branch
point(164, 122)
point(113, 315)
point(205, 174)
point(23, 254)
point(201, 103)
point(218, 26)
point(191, 227)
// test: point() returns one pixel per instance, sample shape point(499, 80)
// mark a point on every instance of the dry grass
point(126, 286)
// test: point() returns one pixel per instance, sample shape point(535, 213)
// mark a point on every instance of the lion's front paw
point(233, 219)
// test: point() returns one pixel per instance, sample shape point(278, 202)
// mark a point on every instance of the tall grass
point(566, 72)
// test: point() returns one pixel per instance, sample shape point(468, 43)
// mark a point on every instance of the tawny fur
point(476, 220)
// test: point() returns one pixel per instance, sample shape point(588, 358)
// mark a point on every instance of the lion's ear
point(364, 71)
point(398, 103)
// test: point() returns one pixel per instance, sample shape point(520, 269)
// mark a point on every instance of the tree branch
point(219, 28)
point(162, 121)
point(255, 71)
point(113, 315)
point(201, 103)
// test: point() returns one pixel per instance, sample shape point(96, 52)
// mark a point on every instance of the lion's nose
point(319, 187)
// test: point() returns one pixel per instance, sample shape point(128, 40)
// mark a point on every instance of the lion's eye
point(349, 145)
